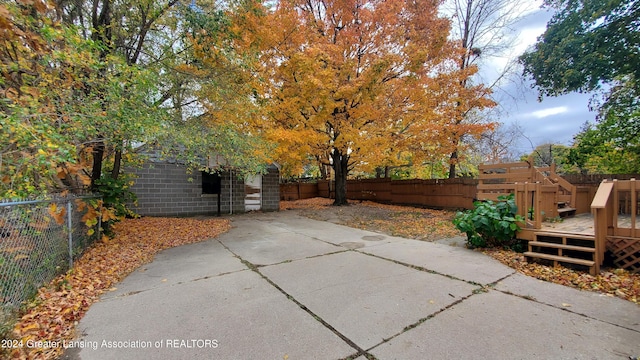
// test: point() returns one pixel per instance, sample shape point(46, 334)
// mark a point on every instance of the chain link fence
point(39, 240)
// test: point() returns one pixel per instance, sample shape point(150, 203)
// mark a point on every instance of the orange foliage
point(613, 282)
point(372, 81)
point(57, 213)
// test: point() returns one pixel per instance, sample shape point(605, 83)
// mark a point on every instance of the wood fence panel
point(326, 189)
point(436, 193)
point(440, 193)
point(297, 191)
point(369, 189)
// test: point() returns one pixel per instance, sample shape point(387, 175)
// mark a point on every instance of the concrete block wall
point(271, 190)
point(164, 189)
point(234, 186)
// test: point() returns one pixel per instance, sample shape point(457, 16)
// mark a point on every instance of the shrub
point(490, 224)
point(115, 195)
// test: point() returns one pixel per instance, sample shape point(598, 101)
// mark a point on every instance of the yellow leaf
point(58, 214)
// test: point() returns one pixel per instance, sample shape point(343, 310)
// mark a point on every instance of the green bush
point(115, 196)
point(490, 224)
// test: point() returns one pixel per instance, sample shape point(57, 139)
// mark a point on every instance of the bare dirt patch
point(433, 225)
point(404, 221)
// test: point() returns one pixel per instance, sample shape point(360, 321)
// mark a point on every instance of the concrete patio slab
point(458, 262)
point(231, 316)
point(499, 326)
point(365, 298)
point(591, 304)
point(255, 226)
point(269, 249)
point(314, 298)
point(180, 264)
point(332, 233)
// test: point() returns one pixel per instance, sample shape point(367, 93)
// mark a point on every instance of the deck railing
point(615, 210)
point(538, 190)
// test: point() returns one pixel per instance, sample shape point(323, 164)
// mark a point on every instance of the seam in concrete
point(531, 298)
point(304, 258)
point(255, 269)
point(169, 285)
point(419, 268)
point(422, 320)
point(213, 276)
point(493, 284)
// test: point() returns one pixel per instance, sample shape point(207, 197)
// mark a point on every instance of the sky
point(554, 119)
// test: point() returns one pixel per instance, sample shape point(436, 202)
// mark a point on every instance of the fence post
point(100, 217)
point(69, 224)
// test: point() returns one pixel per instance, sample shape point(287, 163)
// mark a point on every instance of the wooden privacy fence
point(437, 193)
point(447, 193)
point(296, 191)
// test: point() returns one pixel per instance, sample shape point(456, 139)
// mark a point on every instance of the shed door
point(253, 192)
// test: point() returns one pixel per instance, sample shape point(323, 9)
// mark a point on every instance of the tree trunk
point(96, 173)
point(101, 32)
point(453, 160)
point(117, 163)
point(340, 162)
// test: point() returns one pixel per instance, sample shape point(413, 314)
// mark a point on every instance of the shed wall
point(165, 189)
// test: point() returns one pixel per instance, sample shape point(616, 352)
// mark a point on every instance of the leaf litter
point(51, 317)
point(430, 225)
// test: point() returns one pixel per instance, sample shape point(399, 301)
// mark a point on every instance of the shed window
point(211, 183)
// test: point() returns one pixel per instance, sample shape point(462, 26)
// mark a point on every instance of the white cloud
point(540, 114)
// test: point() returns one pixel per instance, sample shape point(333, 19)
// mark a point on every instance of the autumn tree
point(612, 145)
point(484, 29)
point(62, 93)
point(359, 84)
point(86, 82)
point(592, 45)
point(121, 29)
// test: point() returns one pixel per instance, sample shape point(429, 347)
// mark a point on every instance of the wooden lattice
point(626, 252)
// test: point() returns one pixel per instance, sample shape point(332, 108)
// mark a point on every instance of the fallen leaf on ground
point(52, 316)
point(614, 282)
point(404, 221)
point(429, 225)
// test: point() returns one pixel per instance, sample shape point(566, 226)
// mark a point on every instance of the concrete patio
point(281, 286)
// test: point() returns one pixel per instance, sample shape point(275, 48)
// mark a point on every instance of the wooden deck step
point(566, 212)
point(561, 246)
point(567, 235)
point(565, 259)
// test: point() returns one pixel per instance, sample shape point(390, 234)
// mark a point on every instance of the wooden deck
point(578, 224)
point(608, 223)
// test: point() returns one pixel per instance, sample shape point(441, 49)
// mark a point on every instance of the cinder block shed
point(166, 188)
